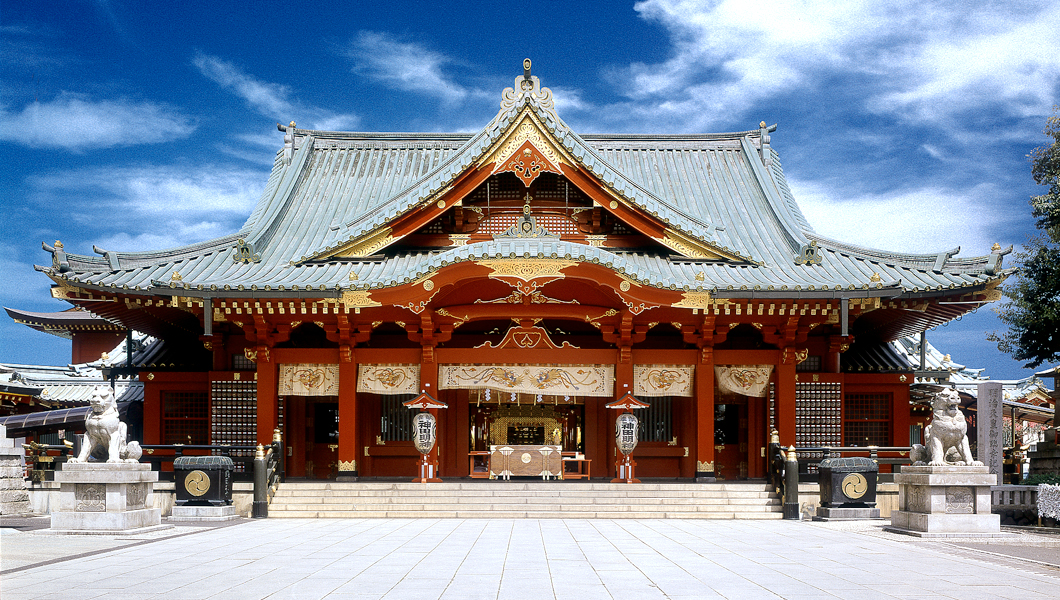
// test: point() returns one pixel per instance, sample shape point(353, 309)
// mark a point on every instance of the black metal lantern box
point(202, 480)
point(848, 481)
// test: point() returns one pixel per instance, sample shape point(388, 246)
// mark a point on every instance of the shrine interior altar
point(531, 460)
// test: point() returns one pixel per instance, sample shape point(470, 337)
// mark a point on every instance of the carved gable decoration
point(526, 275)
point(526, 338)
point(526, 146)
point(527, 162)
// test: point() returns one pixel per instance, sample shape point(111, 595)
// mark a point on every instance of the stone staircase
point(520, 500)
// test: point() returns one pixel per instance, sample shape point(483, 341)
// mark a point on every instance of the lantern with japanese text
point(626, 426)
point(425, 428)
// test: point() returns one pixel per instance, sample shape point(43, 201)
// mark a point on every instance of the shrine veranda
point(526, 276)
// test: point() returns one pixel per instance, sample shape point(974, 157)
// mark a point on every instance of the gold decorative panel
point(527, 269)
point(358, 299)
point(574, 380)
point(388, 379)
point(663, 380)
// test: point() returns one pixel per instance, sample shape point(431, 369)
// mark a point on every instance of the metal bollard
point(261, 486)
point(791, 485)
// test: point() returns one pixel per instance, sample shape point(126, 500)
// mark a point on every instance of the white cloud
point(75, 123)
point(22, 284)
point(923, 220)
point(406, 66)
point(926, 62)
point(270, 99)
point(163, 206)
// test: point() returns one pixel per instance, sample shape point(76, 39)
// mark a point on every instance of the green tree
point(1032, 313)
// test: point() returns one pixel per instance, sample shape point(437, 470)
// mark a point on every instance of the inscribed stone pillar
point(990, 427)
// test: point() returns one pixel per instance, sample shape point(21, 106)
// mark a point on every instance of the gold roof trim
point(367, 244)
point(693, 248)
point(527, 128)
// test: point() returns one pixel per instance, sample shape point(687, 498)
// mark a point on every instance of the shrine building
point(526, 276)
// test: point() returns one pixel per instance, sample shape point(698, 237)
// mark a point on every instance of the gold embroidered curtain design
point(309, 380)
point(388, 379)
point(571, 380)
point(749, 380)
point(663, 380)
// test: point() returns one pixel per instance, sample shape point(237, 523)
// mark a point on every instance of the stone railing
point(1017, 504)
point(1010, 497)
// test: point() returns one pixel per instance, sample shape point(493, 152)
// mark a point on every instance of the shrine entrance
point(524, 421)
point(312, 434)
point(739, 437)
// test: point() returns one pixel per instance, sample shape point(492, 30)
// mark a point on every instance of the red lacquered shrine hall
point(526, 276)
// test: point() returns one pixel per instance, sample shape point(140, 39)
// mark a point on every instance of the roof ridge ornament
point(809, 254)
point(526, 87)
point(244, 252)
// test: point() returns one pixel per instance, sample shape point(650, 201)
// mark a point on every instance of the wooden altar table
point(536, 460)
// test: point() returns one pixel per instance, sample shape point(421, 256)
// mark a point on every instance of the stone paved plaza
point(529, 559)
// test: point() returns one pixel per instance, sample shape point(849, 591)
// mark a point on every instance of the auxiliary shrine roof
point(725, 219)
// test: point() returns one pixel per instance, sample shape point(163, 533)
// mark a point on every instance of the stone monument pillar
point(990, 427)
point(14, 499)
point(105, 489)
point(945, 493)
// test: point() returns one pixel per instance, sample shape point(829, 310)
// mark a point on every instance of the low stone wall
point(810, 499)
point(1045, 455)
point(44, 497)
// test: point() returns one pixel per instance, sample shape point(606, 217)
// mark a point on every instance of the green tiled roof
point(727, 190)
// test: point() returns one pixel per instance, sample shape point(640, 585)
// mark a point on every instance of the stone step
point(499, 499)
point(630, 494)
point(533, 486)
point(515, 514)
point(522, 508)
point(543, 501)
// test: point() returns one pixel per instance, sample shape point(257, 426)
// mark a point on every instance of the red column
point(705, 416)
point(623, 384)
point(349, 444)
point(152, 412)
point(785, 401)
point(900, 417)
point(429, 384)
point(268, 380)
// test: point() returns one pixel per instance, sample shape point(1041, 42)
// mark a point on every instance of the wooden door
point(730, 441)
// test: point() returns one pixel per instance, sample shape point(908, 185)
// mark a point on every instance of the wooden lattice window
point(867, 419)
point(396, 421)
point(185, 418)
point(656, 421)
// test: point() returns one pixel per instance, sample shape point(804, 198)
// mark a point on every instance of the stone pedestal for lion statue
point(945, 493)
point(105, 489)
point(14, 499)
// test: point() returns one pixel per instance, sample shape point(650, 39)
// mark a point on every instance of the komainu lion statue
point(946, 437)
point(105, 434)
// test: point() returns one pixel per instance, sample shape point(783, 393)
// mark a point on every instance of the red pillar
point(429, 384)
point(152, 412)
point(705, 416)
point(900, 417)
point(268, 388)
point(623, 384)
point(349, 444)
point(785, 401)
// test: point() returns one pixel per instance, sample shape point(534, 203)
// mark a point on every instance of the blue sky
point(134, 126)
